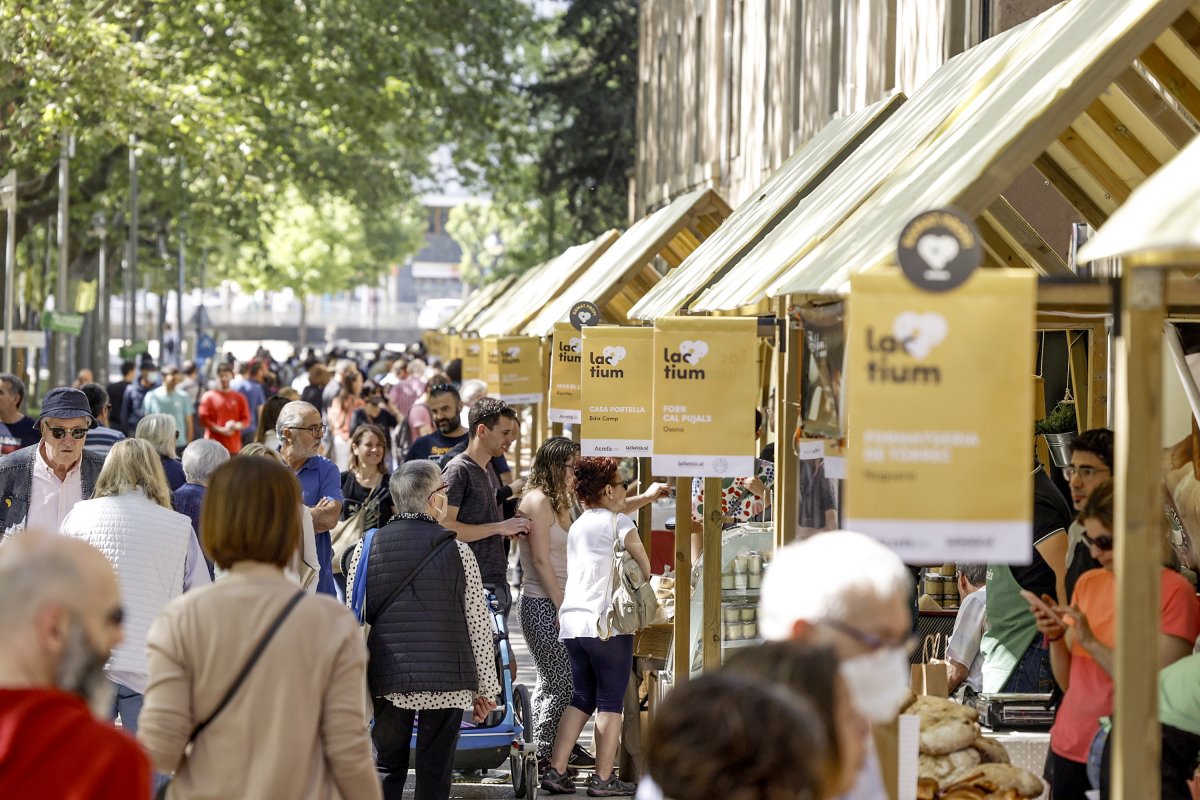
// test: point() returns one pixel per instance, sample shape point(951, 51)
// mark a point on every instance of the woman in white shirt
point(601, 663)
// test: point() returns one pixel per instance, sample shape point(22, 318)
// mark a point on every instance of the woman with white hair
point(152, 549)
point(200, 460)
point(160, 431)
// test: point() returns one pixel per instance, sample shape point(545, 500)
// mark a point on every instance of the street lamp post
point(62, 305)
point(8, 195)
point(130, 320)
point(100, 348)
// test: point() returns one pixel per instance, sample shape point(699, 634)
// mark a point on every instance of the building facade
point(728, 89)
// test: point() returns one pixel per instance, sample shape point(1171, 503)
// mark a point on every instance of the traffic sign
point(134, 350)
point(206, 347)
point(63, 322)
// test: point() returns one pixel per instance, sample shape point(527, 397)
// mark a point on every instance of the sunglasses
point(625, 484)
point(1100, 542)
point(76, 433)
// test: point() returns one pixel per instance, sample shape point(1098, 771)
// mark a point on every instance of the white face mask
point(878, 682)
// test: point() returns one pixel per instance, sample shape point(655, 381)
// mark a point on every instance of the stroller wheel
point(524, 770)
point(532, 779)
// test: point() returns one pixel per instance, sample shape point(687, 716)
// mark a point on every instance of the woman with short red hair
point(600, 661)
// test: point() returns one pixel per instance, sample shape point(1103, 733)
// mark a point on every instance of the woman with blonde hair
point(160, 431)
point(152, 548)
point(256, 622)
point(549, 505)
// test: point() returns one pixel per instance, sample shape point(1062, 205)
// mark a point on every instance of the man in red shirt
point(60, 617)
point(224, 412)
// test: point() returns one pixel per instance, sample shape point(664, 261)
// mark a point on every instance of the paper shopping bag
point(932, 676)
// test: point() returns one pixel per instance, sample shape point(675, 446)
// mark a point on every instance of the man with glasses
point(1091, 465)
point(300, 431)
point(223, 412)
point(474, 513)
point(848, 592)
point(41, 483)
point(60, 618)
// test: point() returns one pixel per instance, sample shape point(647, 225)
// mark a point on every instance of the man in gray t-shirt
point(474, 513)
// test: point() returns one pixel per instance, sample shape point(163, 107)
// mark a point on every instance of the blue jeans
point(127, 706)
point(1032, 675)
point(325, 584)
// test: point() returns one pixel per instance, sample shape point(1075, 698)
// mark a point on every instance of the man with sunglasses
point(41, 483)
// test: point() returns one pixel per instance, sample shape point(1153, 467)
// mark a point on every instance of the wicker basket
point(654, 641)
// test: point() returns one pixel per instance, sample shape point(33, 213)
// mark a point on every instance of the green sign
point(134, 350)
point(63, 322)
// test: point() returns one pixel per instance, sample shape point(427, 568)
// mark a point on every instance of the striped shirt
point(101, 439)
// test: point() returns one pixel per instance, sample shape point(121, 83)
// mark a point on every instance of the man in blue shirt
point(249, 385)
point(300, 430)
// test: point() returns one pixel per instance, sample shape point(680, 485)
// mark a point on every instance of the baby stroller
point(502, 736)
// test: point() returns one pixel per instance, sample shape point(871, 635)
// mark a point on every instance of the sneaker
point(581, 758)
point(555, 782)
point(544, 765)
point(613, 787)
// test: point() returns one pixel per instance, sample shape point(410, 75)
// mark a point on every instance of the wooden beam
point(1172, 78)
point(1091, 161)
point(710, 623)
point(1152, 105)
point(1098, 377)
point(645, 514)
point(1071, 191)
point(1123, 138)
point(787, 407)
point(1137, 741)
point(1077, 346)
point(1034, 250)
point(1183, 295)
point(682, 647)
point(996, 245)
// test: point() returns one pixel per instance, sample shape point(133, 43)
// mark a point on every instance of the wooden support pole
point(711, 622)
point(682, 667)
point(645, 516)
point(1138, 520)
point(787, 406)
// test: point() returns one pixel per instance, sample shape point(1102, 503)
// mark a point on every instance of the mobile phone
point(1039, 603)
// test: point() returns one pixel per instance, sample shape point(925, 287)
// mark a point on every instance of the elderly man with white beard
point(60, 618)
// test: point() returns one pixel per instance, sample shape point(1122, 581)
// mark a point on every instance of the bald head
point(37, 569)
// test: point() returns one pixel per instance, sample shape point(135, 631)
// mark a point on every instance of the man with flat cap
point(41, 483)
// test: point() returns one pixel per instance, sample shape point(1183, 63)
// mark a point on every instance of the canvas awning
point(476, 303)
point(1097, 100)
point(1160, 223)
point(508, 313)
point(786, 187)
point(625, 272)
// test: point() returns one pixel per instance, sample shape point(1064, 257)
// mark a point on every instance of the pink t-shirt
point(418, 417)
point(1090, 695)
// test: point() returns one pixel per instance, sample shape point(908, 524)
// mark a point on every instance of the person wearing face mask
point(812, 595)
point(431, 648)
point(60, 618)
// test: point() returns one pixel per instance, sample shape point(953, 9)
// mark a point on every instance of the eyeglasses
point(1100, 542)
point(442, 488)
point(440, 387)
point(869, 640)
point(1087, 473)
point(76, 433)
point(315, 430)
point(623, 484)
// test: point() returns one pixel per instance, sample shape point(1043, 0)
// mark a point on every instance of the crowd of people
point(273, 574)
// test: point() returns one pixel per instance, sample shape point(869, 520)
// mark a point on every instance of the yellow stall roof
point(930, 113)
point(538, 286)
point(1066, 100)
point(480, 299)
point(624, 273)
point(789, 184)
point(1160, 223)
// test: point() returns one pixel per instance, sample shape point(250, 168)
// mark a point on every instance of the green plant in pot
point(1059, 429)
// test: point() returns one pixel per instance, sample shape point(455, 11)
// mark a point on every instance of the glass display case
point(745, 554)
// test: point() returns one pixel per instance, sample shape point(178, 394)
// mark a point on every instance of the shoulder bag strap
point(254, 656)
point(391, 598)
point(612, 582)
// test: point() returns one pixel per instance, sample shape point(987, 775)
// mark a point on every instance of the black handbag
point(240, 679)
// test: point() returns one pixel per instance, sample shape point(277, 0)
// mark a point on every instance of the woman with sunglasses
point(1081, 648)
point(601, 662)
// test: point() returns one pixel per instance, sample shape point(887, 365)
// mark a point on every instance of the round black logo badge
point(585, 313)
point(939, 250)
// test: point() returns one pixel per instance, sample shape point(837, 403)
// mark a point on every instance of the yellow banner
point(939, 394)
point(616, 391)
point(472, 360)
point(513, 368)
point(435, 343)
point(566, 375)
point(706, 382)
point(455, 347)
